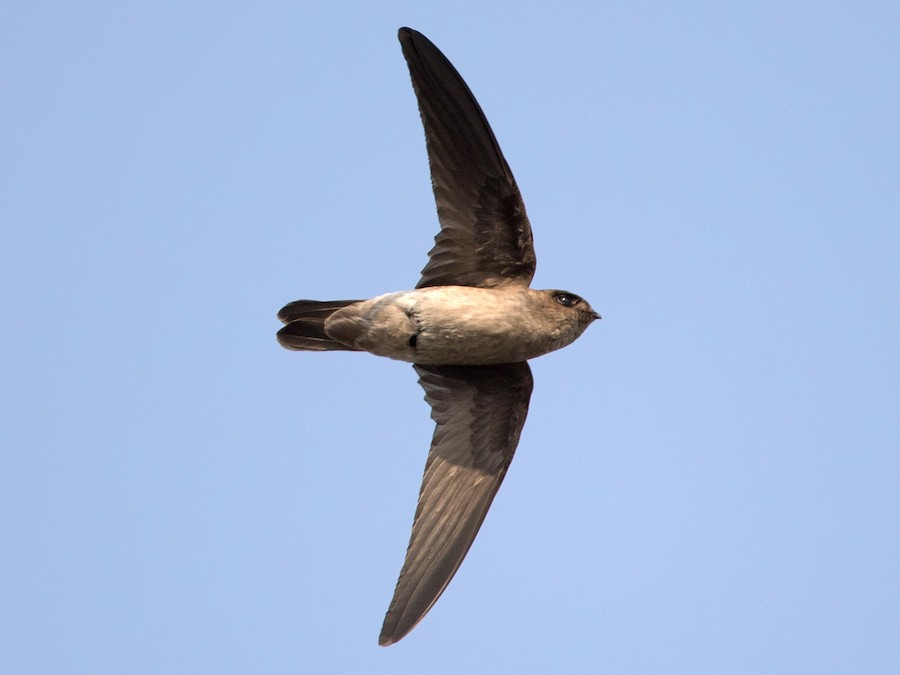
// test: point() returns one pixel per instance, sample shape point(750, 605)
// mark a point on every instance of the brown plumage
point(469, 327)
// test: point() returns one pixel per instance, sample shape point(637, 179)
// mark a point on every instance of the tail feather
point(305, 325)
point(306, 309)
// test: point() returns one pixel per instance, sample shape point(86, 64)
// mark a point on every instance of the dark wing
point(479, 412)
point(485, 237)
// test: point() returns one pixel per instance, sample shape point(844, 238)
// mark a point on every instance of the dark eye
point(567, 299)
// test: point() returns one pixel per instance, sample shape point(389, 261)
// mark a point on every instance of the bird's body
point(469, 327)
point(460, 325)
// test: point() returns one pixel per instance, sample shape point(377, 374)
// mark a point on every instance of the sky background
point(708, 480)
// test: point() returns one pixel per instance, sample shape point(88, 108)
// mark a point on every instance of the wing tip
point(395, 628)
point(388, 640)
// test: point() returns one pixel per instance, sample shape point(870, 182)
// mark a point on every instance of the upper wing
point(485, 238)
point(479, 412)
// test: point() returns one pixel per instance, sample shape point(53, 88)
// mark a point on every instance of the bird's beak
point(595, 316)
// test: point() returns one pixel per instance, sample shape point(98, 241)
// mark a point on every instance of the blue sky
point(708, 479)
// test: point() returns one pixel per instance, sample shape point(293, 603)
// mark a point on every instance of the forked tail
point(305, 325)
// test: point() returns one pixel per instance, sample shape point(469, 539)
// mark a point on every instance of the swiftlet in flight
point(469, 328)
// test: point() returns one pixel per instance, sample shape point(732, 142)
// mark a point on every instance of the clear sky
point(708, 480)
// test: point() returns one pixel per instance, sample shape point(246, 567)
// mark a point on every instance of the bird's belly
point(473, 326)
point(471, 343)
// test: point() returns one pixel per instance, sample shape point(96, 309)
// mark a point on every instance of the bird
point(469, 327)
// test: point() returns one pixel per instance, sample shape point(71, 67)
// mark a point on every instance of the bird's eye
point(567, 299)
